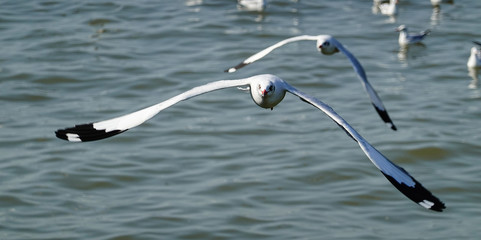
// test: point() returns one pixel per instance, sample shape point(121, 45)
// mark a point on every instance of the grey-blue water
point(217, 166)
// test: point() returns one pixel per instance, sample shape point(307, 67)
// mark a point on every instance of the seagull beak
point(263, 92)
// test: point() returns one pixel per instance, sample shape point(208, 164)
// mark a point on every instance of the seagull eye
point(259, 86)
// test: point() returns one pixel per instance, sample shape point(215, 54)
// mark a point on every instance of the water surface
point(218, 166)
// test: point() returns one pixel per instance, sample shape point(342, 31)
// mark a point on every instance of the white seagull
point(474, 60)
point(437, 3)
point(328, 45)
point(390, 8)
point(252, 5)
point(266, 91)
point(406, 38)
point(474, 64)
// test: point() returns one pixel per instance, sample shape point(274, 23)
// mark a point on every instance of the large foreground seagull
point(267, 91)
point(328, 45)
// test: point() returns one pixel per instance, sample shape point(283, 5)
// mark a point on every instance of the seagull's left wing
point(375, 100)
point(111, 127)
point(266, 51)
point(399, 177)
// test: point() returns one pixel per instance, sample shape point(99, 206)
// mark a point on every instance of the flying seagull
point(266, 91)
point(406, 38)
point(328, 45)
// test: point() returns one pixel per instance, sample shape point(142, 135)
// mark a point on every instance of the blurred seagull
point(474, 64)
point(328, 45)
point(474, 60)
point(406, 38)
point(437, 3)
point(267, 91)
point(390, 8)
point(252, 5)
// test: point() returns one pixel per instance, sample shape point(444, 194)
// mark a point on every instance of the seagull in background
point(252, 5)
point(437, 3)
point(390, 8)
point(474, 60)
point(267, 91)
point(474, 64)
point(406, 38)
point(328, 45)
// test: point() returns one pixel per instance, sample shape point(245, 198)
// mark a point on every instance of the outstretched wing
point(399, 177)
point(111, 127)
point(266, 51)
point(375, 100)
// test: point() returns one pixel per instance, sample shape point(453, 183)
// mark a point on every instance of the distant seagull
point(266, 91)
point(252, 5)
point(406, 38)
point(328, 45)
point(390, 8)
point(474, 64)
point(474, 60)
point(437, 3)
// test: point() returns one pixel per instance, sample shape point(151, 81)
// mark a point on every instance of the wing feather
point(399, 177)
point(104, 129)
point(266, 51)
point(375, 99)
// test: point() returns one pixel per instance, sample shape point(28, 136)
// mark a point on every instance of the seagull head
point(401, 28)
point(267, 91)
point(325, 45)
point(475, 51)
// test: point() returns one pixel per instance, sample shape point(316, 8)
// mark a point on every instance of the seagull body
point(253, 5)
point(474, 60)
point(328, 45)
point(390, 8)
point(474, 65)
point(267, 91)
point(436, 3)
point(406, 38)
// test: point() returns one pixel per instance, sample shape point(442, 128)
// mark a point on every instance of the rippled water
point(218, 166)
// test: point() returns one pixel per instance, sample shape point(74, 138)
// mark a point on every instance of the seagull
point(267, 91)
point(252, 5)
point(437, 3)
point(406, 38)
point(390, 8)
point(474, 60)
point(474, 64)
point(328, 45)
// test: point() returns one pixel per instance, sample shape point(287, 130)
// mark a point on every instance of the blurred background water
point(218, 166)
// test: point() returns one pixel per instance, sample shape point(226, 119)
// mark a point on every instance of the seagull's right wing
point(266, 51)
point(111, 127)
point(399, 177)
point(477, 43)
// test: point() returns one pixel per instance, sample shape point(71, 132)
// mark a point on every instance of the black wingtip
point(477, 43)
point(385, 117)
point(85, 133)
point(235, 68)
point(418, 194)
